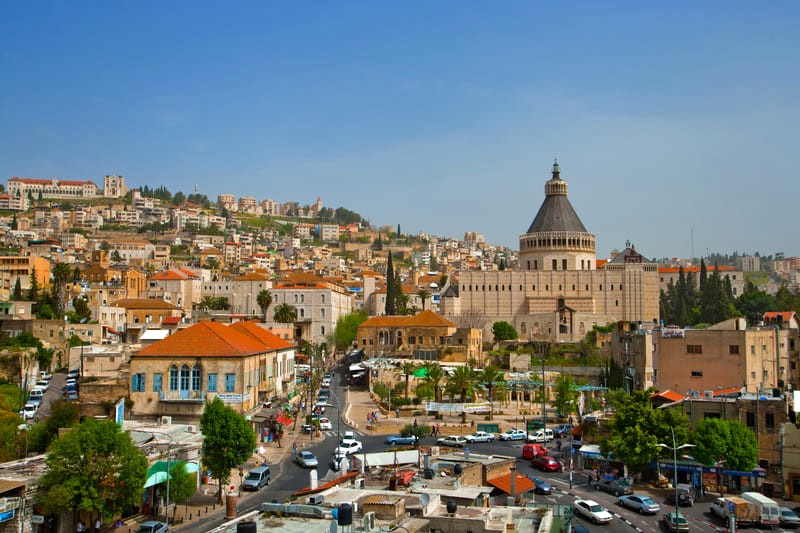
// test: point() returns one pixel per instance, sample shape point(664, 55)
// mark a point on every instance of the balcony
point(185, 396)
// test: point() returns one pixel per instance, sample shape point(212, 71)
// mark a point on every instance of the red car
point(546, 463)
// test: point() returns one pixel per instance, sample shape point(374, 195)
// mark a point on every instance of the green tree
point(63, 414)
point(743, 452)
point(264, 300)
point(753, 303)
point(391, 303)
point(566, 394)
point(435, 376)
point(407, 368)
point(346, 329)
point(284, 313)
point(181, 484)
point(82, 310)
point(715, 302)
point(491, 378)
point(61, 275)
point(95, 468)
point(229, 440)
point(462, 382)
point(503, 331)
point(418, 431)
point(423, 295)
point(33, 291)
point(17, 294)
point(116, 256)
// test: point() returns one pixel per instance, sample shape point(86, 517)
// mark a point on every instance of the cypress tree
point(703, 274)
point(17, 296)
point(390, 289)
point(33, 292)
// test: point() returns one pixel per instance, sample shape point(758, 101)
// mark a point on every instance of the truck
point(769, 512)
point(745, 512)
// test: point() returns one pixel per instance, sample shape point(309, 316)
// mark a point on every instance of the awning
point(591, 450)
point(157, 473)
point(112, 331)
point(521, 484)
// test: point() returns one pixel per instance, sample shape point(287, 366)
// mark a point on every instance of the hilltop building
point(559, 290)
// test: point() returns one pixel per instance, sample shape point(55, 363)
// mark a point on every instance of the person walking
point(294, 449)
point(397, 412)
point(80, 527)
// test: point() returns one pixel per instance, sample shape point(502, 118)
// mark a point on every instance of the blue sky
point(440, 116)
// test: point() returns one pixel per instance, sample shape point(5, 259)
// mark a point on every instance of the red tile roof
point(521, 483)
point(669, 395)
point(171, 320)
point(269, 339)
point(252, 276)
point(426, 318)
point(39, 181)
point(784, 315)
point(144, 303)
point(206, 339)
point(170, 275)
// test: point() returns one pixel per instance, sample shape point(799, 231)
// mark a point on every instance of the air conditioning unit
point(708, 394)
point(360, 483)
point(190, 429)
point(316, 499)
point(166, 420)
point(369, 521)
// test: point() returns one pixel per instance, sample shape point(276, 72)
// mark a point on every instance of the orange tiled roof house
point(242, 364)
point(425, 336)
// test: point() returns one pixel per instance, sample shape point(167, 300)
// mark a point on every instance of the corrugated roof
point(521, 483)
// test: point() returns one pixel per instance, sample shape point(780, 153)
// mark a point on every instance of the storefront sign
point(37, 519)
point(8, 515)
point(232, 398)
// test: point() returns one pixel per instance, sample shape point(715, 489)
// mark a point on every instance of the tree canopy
point(95, 468)
point(229, 440)
point(346, 328)
point(503, 331)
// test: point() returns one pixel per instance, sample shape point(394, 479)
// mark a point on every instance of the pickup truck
point(746, 513)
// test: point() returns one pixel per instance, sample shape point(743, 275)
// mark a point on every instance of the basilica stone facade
point(559, 291)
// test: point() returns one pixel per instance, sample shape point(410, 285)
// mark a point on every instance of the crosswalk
point(334, 434)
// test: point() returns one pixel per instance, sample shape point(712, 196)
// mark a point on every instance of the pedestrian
point(294, 449)
point(98, 524)
point(80, 527)
point(415, 423)
point(397, 412)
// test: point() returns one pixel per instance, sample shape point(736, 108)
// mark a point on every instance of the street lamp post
point(675, 449)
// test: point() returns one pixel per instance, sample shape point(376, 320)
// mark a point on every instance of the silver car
point(306, 459)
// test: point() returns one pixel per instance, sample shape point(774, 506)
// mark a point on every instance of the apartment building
point(319, 304)
point(669, 275)
point(20, 267)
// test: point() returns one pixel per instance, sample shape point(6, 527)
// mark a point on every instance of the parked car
point(35, 400)
point(319, 409)
point(74, 374)
point(480, 436)
point(29, 411)
point(789, 518)
point(674, 521)
point(541, 435)
point(152, 526)
point(348, 447)
point(640, 503)
point(45, 375)
point(686, 495)
point(326, 382)
point(306, 459)
point(542, 486)
point(452, 440)
point(323, 396)
point(512, 434)
point(71, 395)
point(562, 430)
point(400, 439)
point(592, 511)
point(36, 392)
point(43, 384)
point(545, 463)
point(617, 487)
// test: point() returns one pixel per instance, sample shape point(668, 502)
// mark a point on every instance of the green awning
point(421, 372)
point(157, 473)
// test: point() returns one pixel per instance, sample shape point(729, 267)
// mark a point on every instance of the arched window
point(523, 328)
point(302, 298)
point(322, 299)
point(322, 313)
point(173, 377)
point(196, 377)
point(302, 312)
point(185, 377)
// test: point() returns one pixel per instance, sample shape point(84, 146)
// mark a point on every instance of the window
point(769, 420)
point(173, 377)
point(412, 339)
point(185, 377)
point(322, 313)
point(137, 383)
point(750, 419)
point(212, 383)
point(322, 298)
point(196, 377)
point(555, 264)
point(535, 264)
point(157, 378)
point(694, 348)
point(733, 349)
point(563, 264)
point(230, 382)
point(322, 330)
point(697, 373)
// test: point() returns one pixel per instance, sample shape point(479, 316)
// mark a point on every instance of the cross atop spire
point(556, 170)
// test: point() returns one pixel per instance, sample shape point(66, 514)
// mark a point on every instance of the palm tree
point(434, 375)
point(462, 382)
point(408, 368)
point(285, 314)
point(423, 295)
point(221, 303)
point(206, 303)
point(264, 300)
point(491, 377)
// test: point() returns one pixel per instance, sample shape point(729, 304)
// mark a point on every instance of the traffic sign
point(572, 450)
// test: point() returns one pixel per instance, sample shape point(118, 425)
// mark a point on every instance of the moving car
point(256, 478)
point(562, 430)
point(348, 447)
point(545, 463)
point(306, 459)
point(541, 435)
point(319, 408)
point(480, 436)
point(512, 434)
point(789, 518)
point(452, 440)
point(529, 451)
point(542, 486)
point(640, 503)
point(326, 382)
point(592, 511)
point(152, 526)
point(685, 495)
point(400, 439)
point(673, 522)
point(325, 424)
point(617, 487)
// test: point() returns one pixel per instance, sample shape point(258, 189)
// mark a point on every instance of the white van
point(770, 510)
point(541, 435)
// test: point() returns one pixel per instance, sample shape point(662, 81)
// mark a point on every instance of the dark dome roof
point(556, 214)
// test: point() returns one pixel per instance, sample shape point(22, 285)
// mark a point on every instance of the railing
point(182, 396)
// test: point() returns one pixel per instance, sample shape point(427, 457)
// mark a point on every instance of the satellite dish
point(83, 320)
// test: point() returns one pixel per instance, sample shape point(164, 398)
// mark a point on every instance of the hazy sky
point(442, 117)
